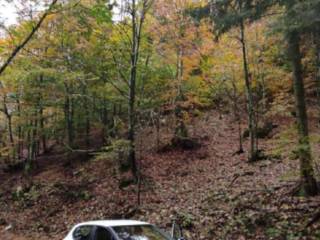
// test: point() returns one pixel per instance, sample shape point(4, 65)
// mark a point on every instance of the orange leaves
point(180, 41)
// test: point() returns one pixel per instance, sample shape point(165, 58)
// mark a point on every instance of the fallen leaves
point(216, 194)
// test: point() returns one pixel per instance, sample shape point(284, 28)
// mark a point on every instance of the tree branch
point(27, 39)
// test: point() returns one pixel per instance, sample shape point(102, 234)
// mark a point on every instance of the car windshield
point(140, 232)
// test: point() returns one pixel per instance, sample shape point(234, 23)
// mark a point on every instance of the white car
point(118, 230)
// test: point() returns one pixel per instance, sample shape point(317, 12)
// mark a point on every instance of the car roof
point(113, 223)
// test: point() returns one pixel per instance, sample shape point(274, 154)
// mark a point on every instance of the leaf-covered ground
point(213, 192)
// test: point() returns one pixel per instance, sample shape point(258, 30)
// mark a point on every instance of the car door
point(102, 233)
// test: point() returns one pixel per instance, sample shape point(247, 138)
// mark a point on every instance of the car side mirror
point(77, 235)
point(176, 232)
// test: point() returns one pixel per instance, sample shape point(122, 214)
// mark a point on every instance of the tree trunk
point(132, 88)
point(10, 130)
point(251, 119)
point(41, 118)
point(32, 145)
point(179, 76)
point(8, 115)
point(317, 76)
point(43, 134)
point(20, 135)
point(69, 119)
point(87, 112)
point(137, 23)
point(306, 170)
point(180, 128)
point(104, 118)
point(28, 163)
point(131, 130)
point(35, 139)
point(88, 127)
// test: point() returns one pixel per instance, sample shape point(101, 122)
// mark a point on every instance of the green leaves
point(226, 14)
point(101, 12)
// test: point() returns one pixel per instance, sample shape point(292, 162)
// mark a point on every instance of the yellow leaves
point(49, 19)
point(2, 43)
point(176, 36)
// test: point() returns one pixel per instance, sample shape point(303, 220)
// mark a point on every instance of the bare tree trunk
point(87, 112)
point(104, 118)
point(8, 115)
point(20, 135)
point(132, 85)
point(88, 127)
point(10, 130)
point(137, 23)
point(28, 163)
point(35, 139)
point(179, 76)
point(68, 111)
point(41, 119)
point(251, 119)
point(32, 144)
point(180, 128)
point(132, 88)
point(317, 76)
point(43, 134)
point(306, 169)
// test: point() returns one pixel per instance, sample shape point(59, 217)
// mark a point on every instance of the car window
point(140, 232)
point(102, 234)
point(82, 233)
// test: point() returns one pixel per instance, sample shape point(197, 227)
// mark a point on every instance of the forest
point(204, 112)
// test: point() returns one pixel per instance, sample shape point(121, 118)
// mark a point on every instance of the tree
point(181, 46)
point(229, 13)
point(50, 92)
point(293, 30)
point(317, 53)
point(306, 170)
point(137, 11)
point(20, 46)
point(250, 104)
point(226, 15)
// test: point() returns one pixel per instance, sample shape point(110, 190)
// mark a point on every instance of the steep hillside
point(215, 193)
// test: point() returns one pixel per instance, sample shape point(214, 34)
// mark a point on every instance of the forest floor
point(215, 193)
